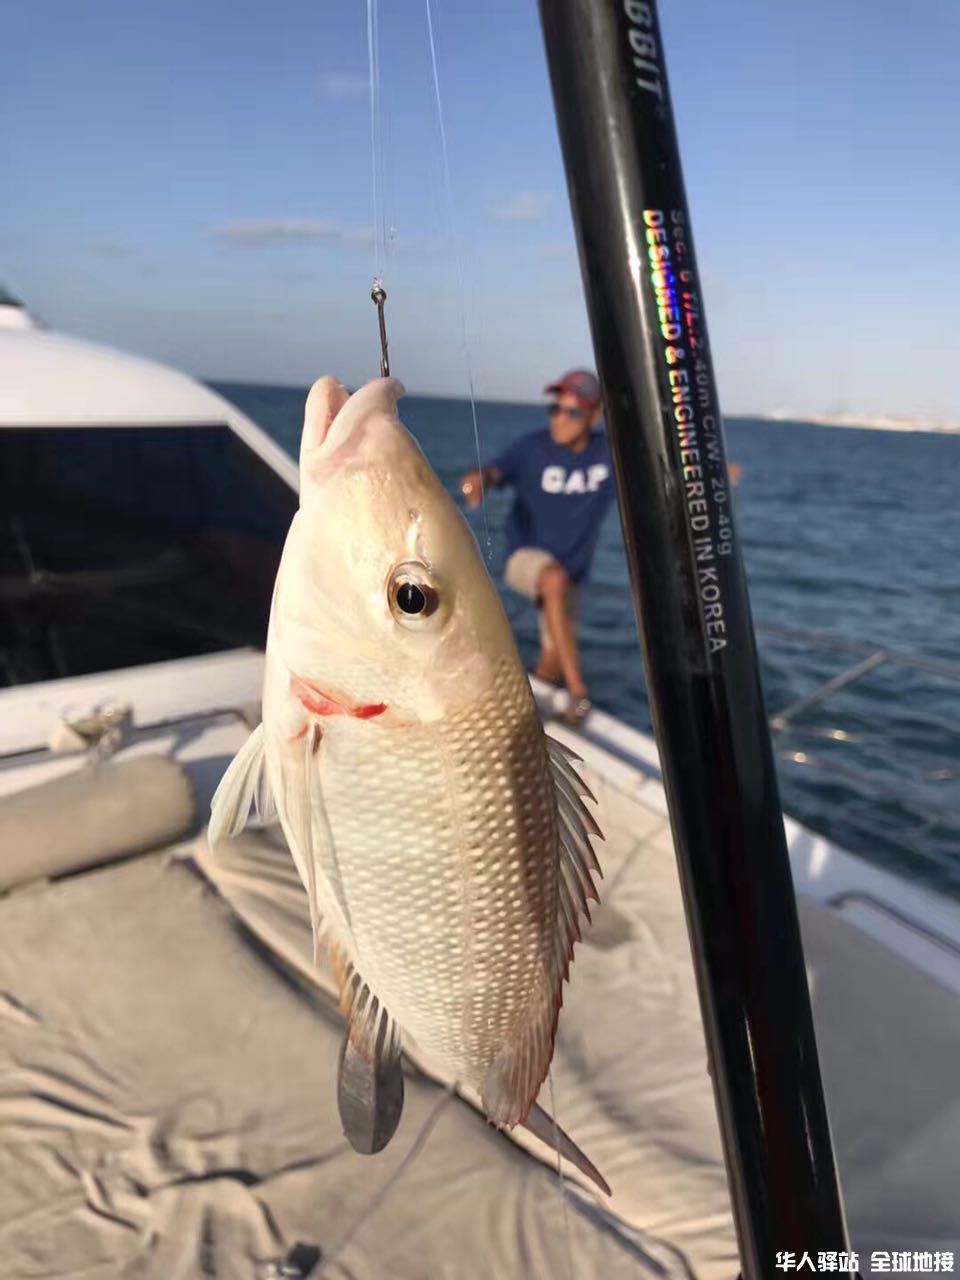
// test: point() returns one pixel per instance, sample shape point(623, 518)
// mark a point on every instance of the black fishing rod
point(646, 313)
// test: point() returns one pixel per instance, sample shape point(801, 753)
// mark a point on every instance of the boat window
point(123, 546)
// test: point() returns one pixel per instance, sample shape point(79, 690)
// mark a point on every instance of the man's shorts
point(522, 573)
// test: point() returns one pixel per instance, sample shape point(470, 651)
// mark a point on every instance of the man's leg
point(522, 574)
point(555, 587)
point(547, 666)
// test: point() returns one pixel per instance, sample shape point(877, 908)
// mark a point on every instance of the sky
point(193, 180)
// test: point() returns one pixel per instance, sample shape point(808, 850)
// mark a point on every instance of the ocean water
point(850, 534)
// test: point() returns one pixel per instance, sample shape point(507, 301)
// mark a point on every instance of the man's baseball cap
point(578, 382)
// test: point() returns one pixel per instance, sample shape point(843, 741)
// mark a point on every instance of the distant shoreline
point(853, 422)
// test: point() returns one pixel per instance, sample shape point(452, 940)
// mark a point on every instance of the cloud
point(256, 233)
point(343, 84)
point(108, 249)
point(523, 206)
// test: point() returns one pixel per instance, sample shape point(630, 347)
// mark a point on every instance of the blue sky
point(192, 180)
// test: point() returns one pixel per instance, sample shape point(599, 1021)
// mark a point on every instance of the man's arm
point(506, 468)
point(473, 483)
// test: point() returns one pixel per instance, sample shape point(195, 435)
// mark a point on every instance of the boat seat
point(95, 814)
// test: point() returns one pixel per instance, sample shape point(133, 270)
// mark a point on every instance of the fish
point(442, 837)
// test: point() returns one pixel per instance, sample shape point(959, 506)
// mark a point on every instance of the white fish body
point(438, 831)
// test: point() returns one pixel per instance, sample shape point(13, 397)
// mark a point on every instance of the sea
point(851, 536)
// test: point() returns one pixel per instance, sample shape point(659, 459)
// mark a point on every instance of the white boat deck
point(168, 1052)
point(161, 1080)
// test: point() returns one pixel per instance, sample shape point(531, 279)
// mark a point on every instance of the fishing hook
point(379, 296)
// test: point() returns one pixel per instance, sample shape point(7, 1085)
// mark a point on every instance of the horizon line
point(878, 422)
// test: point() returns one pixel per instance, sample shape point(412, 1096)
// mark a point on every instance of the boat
point(168, 1050)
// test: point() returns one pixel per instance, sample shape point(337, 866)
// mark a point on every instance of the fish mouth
point(336, 423)
point(325, 400)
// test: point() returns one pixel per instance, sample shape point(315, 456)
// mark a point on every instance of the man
point(563, 486)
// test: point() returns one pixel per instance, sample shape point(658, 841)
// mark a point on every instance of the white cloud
point(343, 84)
point(523, 206)
point(259, 232)
point(109, 249)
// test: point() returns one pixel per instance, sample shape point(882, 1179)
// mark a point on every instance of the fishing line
point(376, 139)
point(560, 1178)
point(416, 1147)
point(458, 264)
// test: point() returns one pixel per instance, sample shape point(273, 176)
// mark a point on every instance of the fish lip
point(362, 425)
point(377, 396)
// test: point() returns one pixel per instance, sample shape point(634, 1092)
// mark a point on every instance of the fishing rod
point(645, 305)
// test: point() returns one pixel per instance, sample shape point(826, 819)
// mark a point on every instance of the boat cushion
point(95, 814)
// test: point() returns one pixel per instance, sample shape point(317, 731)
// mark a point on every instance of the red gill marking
point(369, 711)
point(319, 703)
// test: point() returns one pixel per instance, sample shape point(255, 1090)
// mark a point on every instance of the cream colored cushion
point(93, 815)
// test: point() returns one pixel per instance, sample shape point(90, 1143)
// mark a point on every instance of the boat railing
point(929, 805)
point(854, 897)
point(869, 658)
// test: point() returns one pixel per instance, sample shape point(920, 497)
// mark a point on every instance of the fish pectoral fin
point(244, 785)
point(310, 840)
point(543, 1126)
point(370, 1072)
point(318, 846)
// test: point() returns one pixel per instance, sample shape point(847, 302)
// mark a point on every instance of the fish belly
point(445, 842)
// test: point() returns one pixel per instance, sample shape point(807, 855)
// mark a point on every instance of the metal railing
point(868, 658)
point(941, 940)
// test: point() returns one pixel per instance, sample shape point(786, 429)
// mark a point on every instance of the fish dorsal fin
point(242, 787)
point(578, 862)
point(513, 1079)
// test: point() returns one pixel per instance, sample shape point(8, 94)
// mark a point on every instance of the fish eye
point(412, 595)
point(410, 598)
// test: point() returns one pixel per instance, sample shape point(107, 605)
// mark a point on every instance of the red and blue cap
point(578, 382)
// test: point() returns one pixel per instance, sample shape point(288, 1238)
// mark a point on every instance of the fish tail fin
point(244, 784)
point(543, 1126)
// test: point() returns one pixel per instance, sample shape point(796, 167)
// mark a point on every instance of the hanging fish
point(439, 833)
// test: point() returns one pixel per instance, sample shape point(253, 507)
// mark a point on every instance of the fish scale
point(451, 888)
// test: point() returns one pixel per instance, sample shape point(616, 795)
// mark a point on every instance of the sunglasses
point(576, 414)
